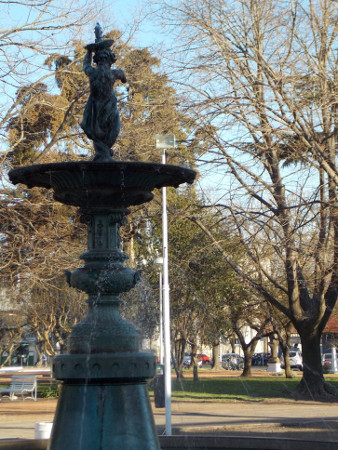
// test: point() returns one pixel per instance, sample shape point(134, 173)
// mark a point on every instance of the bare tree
point(263, 74)
point(51, 313)
point(11, 331)
point(258, 325)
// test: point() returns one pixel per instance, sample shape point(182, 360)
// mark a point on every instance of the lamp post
point(159, 262)
point(164, 142)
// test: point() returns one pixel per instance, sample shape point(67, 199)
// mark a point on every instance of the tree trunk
point(178, 371)
point(8, 357)
point(195, 373)
point(285, 344)
point(232, 341)
point(247, 362)
point(248, 349)
point(286, 355)
point(194, 362)
point(216, 365)
point(179, 346)
point(312, 384)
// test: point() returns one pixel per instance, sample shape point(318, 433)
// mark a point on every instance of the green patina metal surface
point(104, 402)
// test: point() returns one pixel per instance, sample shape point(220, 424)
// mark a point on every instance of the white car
point(296, 360)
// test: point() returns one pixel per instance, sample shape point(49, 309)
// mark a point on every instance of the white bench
point(24, 385)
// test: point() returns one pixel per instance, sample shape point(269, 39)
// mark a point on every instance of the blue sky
point(119, 14)
point(124, 12)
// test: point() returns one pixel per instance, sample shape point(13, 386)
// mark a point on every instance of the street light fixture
point(164, 142)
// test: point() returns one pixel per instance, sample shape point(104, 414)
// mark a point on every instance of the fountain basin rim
point(91, 185)
point(27, 174)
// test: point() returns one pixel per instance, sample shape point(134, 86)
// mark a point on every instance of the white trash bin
point(43, 430)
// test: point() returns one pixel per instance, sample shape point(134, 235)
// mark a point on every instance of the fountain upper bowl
point(115, 183)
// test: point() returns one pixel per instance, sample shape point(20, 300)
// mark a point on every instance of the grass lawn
point(236, 388)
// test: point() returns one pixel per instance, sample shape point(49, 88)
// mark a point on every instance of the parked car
point(232, 361)
point(260, 359)
point(187, 360)
point(296, 360)
point(327, 362)
point(204, 358)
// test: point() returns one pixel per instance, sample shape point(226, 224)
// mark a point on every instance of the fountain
point(103, 402)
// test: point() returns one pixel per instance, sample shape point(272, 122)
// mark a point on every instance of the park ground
point(207, 414)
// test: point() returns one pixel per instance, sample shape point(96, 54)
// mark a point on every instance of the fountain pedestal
point(104, 401)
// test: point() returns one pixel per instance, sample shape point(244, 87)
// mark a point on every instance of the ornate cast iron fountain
point(103, 402)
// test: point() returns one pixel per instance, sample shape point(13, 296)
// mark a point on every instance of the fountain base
point(104, 402)
point(103, 414)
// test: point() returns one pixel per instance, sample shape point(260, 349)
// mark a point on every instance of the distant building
point(330, 334)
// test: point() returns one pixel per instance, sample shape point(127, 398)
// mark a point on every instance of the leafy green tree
point(203, 291)
point(232, 306)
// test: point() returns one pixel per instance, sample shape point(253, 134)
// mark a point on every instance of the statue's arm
point(87, 63)
point(119, 75)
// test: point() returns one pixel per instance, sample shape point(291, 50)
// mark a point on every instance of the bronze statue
point(101, 121)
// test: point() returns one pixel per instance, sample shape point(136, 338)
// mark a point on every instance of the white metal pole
point(161, 318)
point(166, 310)
point(334, 367)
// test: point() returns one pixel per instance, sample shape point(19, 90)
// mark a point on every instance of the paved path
point(291, 419)
point(278, 418)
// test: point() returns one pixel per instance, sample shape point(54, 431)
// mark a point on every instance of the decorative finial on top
point(100, 43)
point(98, 33)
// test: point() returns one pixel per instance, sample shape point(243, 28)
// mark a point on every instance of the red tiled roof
point(332, 324)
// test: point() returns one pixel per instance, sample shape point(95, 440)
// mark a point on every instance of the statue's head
point(104, 56)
